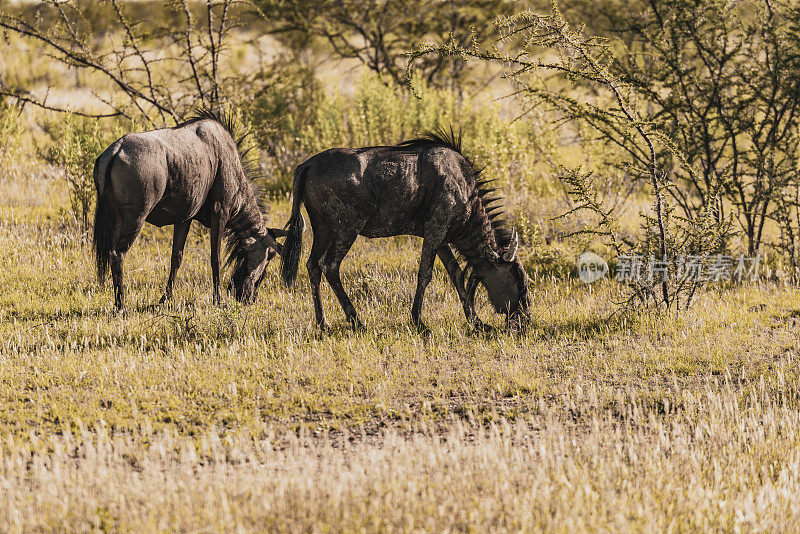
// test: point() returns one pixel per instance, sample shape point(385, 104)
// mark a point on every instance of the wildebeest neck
point(477, 241)
point(245, 222)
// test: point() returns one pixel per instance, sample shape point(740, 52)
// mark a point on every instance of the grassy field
point(192, 417)
point(198, 418)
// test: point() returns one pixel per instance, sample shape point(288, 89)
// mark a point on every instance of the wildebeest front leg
point(180, 233)
point(457, 278)
point(423, 279)
point(217, 227)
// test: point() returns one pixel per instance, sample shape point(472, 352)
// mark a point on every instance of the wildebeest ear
point(511, 251)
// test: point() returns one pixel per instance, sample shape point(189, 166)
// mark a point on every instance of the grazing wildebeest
point(194, 171)
point(424, 187)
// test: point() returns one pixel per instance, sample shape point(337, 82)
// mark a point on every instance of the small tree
point(551, 49)
point(164, 65)
point(379, 33)
point(722, 79)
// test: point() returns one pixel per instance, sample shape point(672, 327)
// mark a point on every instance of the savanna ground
point(193, 417)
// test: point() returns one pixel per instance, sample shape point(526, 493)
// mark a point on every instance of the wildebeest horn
point(269, 234)
point(278, 232)
point(509, 254)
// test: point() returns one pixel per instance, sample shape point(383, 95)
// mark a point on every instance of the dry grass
point(196, 418)
point(191, 417)
point(730, 462)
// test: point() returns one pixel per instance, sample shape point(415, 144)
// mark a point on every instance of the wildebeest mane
point(490, 198)
point(236, 231)
point(227, 119)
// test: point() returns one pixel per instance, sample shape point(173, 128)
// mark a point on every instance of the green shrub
point(75, 147)
point(281, 103)
point(10, 131)
point(293, 118)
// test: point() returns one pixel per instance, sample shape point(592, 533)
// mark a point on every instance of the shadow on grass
point(104, 310)
point(43, 317)
point(574, 327)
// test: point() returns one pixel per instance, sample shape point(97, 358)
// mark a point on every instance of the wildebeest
point(194, 171)
point(423, 187)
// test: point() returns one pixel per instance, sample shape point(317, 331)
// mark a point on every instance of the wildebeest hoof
point(479, 327)
point(422, 328)
point(517, 326)
point(356, 325)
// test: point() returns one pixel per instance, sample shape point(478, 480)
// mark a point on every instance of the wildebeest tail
point(293, 245)
point(103, 219)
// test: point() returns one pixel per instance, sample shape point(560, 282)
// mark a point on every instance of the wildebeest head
point(506, 284)
point(252, 257)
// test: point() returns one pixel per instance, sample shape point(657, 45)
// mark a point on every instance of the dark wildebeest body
point(425, 188)
point(193, 171)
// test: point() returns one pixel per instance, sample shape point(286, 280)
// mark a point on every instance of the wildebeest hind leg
point(117, 260)
point(127, 234)
point(314, 266)
point(180, 233)
point(331, 262)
